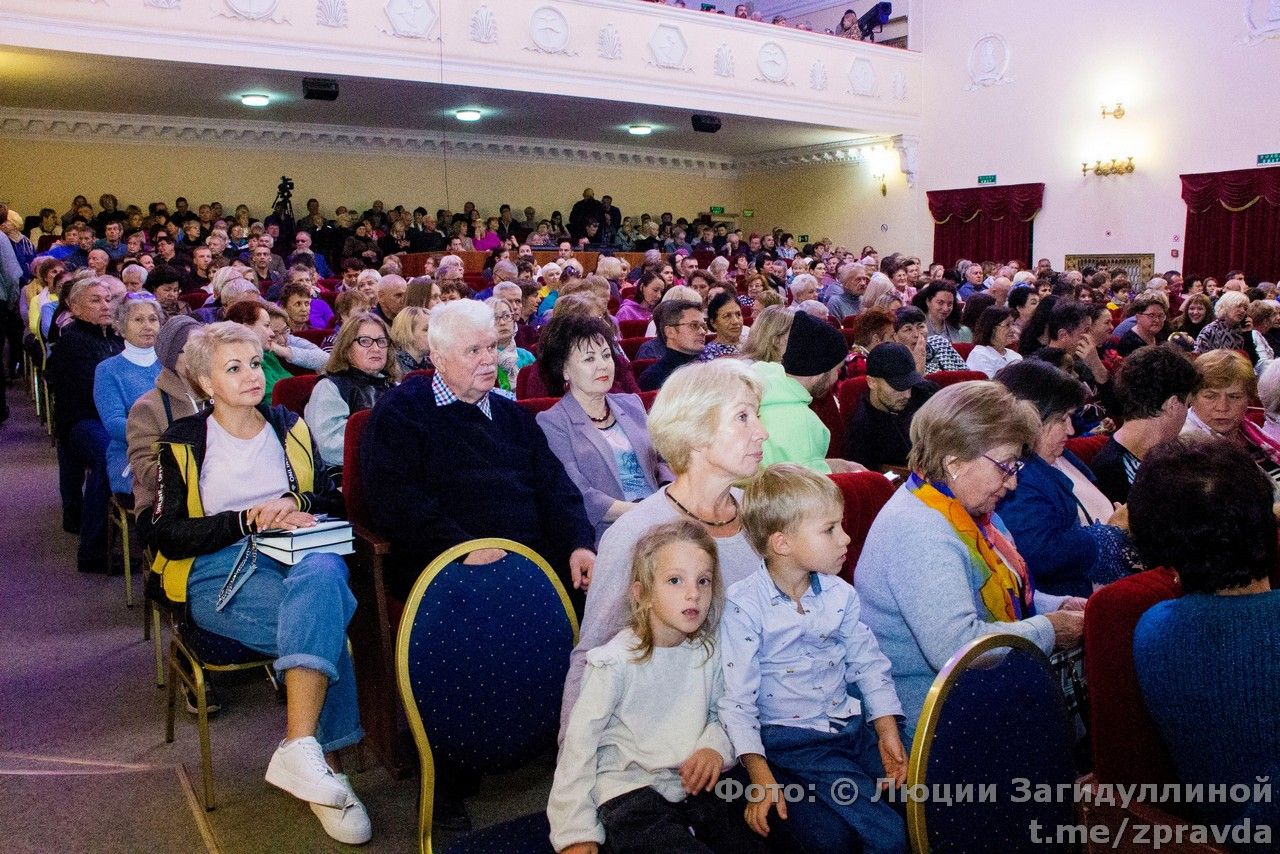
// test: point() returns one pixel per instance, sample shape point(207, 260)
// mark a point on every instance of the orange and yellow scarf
point(996, 570)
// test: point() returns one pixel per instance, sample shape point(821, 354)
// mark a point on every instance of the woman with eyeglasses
point(510, 357)
point(961, 577)
point(118, 382)
point(1072, 537)
point(1149, 311)
point(361, 367)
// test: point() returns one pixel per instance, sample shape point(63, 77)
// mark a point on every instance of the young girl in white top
point(644, 747)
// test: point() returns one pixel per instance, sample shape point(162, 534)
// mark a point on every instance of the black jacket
point(81, 346)
point(176, 534)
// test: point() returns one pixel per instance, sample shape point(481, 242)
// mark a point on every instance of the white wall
point(1198, 99)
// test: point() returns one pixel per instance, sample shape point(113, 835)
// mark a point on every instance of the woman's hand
point(1067, 628)
point(581, 564)
point(274, 514)
point(582, 848)
point(1073, 603)
point(700, 771)
point(1120, 518)
point(479, 557)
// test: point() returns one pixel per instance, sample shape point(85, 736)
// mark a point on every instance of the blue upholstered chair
point(481, 658)
point(995, 714)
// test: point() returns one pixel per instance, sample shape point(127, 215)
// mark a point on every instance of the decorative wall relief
point(411, 19)
point(899, 86)
point(723, 63)
point(862, 78)
point(1262, 20)
point(549, 30)
point(989, 62)
point(818, 76)
point(484, 26)
point(252, 10)
point(164, 4)
point(331, 13)
point(669, 47)
point(908, 148)
point(609, 43)
point(772, 62)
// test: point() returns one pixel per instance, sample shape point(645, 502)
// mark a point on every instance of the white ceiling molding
point(845, 152)
point(216, 133)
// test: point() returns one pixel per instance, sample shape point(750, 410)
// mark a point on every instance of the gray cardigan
point(918, 600)
point(587, 457)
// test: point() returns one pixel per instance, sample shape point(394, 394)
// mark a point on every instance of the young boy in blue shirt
point(791, 644)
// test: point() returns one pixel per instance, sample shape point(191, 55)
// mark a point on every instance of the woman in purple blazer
point(601, 438)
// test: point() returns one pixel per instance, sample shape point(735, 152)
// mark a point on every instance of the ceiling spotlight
point(467, 115)
point(640, 130)
point(255, 99)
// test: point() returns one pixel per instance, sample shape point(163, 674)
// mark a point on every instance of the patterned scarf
point(996, 570)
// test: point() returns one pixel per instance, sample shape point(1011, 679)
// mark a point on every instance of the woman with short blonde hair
point(939, 567)
point(409, 334)
point(767, 339)
point(705, 423)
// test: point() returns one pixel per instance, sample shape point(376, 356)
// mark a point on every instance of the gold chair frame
point(426, 797)
point(118, 521)
point(193, 677)
point(931, 713)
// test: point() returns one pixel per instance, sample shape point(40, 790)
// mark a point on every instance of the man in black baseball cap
point(879, 428)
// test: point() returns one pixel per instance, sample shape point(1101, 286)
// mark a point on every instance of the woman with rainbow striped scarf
point(939, 568)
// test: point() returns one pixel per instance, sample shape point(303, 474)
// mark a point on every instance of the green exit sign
point(804, 238)
point(986, 179)
point(717, 209)
point(748, 213)
point(1269, 159)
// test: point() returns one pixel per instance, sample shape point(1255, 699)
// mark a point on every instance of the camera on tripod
point(283, 203)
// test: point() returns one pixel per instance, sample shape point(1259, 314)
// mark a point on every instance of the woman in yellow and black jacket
point(225, 474)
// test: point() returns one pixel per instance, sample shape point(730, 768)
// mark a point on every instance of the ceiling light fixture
point(255, 99)
point(467, 115)
point(640, 130)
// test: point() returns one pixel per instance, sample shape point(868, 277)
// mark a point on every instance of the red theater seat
point(964, 348)
point(828, 411)
point(946, 378)
point(865, 492)
point(315, 336)
point(1087, 447)
point(534, 405)
point(633, 328)
point(631, 346)
point(293, 392)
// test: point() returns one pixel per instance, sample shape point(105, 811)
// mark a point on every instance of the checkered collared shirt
point(445, 396)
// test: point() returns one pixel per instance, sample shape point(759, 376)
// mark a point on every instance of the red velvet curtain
point(984, 223)
point(1233, 223)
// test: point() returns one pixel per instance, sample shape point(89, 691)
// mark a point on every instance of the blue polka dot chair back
point(995, 715)
point(481, 659)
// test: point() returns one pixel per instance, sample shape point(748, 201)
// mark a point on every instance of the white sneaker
point(299, 768)
point(349, 823)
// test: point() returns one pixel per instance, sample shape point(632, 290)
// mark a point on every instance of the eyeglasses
point(695, 324)
point(1007, 469)
point(1154, 315)
point(368, 341)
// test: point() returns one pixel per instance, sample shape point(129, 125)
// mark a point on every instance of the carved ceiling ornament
point(609, 43)
point(331, 13)
point(411, 19)
point(1262, 20)
point(549, 29)
point(252, 10)
point(669, 47)
point(484, 26)
point(723, 62)
point(772, 62)
point(862, 78)
point(818, 76)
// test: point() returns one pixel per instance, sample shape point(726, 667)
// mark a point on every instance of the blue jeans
point(298, 614)
point(805, 756)
point(87, 450)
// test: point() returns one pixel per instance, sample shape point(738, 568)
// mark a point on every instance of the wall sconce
point(884, 187)
point(1116, 112)
point(1112, 167)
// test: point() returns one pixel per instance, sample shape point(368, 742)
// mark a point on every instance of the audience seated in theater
point(848, 301)
point(1197, 313)
point(939, 568)
point(1269, 394)
point(704, 424)
point(1228, 330)
point(1148, 311)
point(1153, 386)
point(446, 460)
point(1263, 317)
point(511, 358)
point(602, 438)
point(229, 287)
point(295, 299)
point(271, 324)
point(654, 348)
point(166, 284)
point(345, 306)
point(648, 293)
point(390, 295)
point(878, 430)
point(172, 398)
point(1208, 662)
point(40, 291)
point(992, 335)
point(409, 334)
point(809, 366)
point(118, 382)
point(1219, 406)
point(942, 312)
point(1070, 535)
point(794, 650)
point(361, 367)
point(1023, 301)
point(1070, 330)
point(86, 341)
point(225, 474)
point(683, 329)
point(724, 318)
